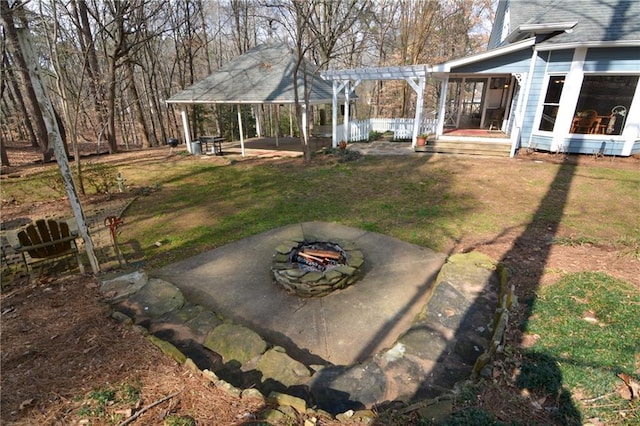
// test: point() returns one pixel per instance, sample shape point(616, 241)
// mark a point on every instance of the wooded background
point(109, 65)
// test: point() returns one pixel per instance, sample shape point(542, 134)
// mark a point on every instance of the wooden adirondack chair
point(45, 240)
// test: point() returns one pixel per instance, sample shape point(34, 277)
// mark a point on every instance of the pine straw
point(58, 344)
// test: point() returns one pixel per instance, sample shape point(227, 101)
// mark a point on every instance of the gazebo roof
point(262, 75)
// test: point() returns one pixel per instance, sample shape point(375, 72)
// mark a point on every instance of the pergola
point(262, 75)
point(349, 79)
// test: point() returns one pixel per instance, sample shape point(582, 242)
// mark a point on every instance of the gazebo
point(262, 75)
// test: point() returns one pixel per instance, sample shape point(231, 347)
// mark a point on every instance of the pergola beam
point(414, 75)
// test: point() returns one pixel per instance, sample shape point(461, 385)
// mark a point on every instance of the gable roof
point(263, 74)
point(570, 22)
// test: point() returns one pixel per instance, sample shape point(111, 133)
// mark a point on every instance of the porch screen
point(551, 102)
point(603, 104)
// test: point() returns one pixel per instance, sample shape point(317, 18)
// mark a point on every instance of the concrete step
point(495, 149)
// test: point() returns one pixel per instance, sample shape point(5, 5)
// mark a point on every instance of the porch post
point(346, 112)
point(444, 88)
point(419, 89)
point(185, 126)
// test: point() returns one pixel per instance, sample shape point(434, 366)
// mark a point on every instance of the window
point(603, 104)
point(551, 102)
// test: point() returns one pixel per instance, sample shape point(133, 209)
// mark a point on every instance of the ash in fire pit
point(316, 268)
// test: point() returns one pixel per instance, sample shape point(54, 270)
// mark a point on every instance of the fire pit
point(316, 268)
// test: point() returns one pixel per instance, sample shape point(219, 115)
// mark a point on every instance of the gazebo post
point(277, 125)
point(241, 132)
point(256, 114)
point(185, 125)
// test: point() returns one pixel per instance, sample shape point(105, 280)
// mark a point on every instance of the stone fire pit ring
point(304, 282)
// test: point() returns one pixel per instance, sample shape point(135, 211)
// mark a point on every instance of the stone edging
point(253, 353)
point(506, 300)
point(315, 283)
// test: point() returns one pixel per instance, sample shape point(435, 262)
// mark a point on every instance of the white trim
point(631, 131)
point(568, 100)
point(541, 29)
point(544, 46)
point(514, 47)
point(544, 87)
point(376, 73)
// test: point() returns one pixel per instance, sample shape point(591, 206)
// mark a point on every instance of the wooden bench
point(45, 240)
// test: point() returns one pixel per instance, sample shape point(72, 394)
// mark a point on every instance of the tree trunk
point(11, 34)
point(93, 67)
point(147, 139)
point(48, 116)
point(18, 100)
point(4, 158)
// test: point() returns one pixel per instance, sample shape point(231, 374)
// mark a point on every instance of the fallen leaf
point(633, 385)
point(590, 317)
point(26, 403)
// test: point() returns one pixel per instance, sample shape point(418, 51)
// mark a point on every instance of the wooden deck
point(467, 147)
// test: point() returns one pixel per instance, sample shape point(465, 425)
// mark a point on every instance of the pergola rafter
point(349, 79)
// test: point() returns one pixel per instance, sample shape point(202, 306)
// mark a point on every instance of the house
point(559, 76)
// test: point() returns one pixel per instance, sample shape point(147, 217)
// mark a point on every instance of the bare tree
point(7, 12)
point(117, 61)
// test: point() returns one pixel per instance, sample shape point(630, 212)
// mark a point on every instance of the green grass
point(104, 403)
point(583, 357)
point(433, 203)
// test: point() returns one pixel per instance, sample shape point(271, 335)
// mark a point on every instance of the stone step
point(495, 149)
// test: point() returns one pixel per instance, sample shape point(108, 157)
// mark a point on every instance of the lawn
point(553, 221)
point(433, 203)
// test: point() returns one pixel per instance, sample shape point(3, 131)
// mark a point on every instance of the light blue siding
point(542, 143)
point(581, 145)
point(623, 59)
point(605, 146)
point(559, 60)
point(534, 96)
point(636, 148)
point(515, 62)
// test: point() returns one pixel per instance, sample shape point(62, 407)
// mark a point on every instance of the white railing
point(402, 128)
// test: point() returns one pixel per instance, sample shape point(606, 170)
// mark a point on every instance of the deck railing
point(402, 128)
